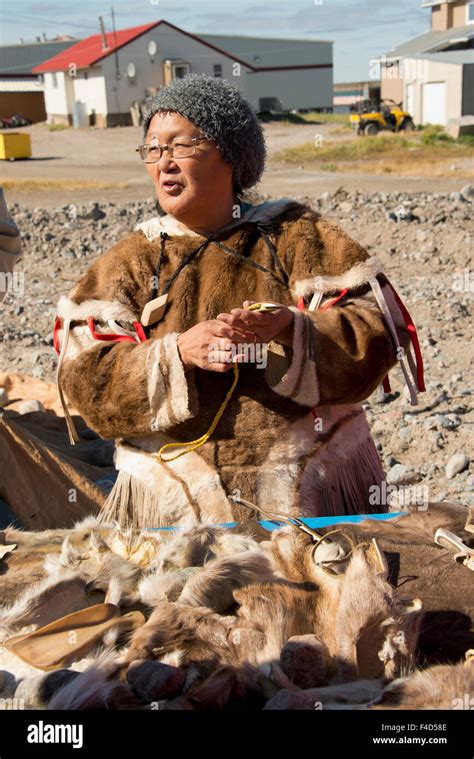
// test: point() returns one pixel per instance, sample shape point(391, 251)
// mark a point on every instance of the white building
point(433, 74)
point(99, 79)
point(443, 90)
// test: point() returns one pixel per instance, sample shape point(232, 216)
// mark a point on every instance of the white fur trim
point(263, 212)
point(98, 309)
point(300, 381)
point(79, 340)
point(168, 390)
point(354, 277)
point(151, 228)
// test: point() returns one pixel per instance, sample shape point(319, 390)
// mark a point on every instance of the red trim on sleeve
point(420, 380)
point(332, 303)
point(110, 337)
point(140, 332)
point(56, 328)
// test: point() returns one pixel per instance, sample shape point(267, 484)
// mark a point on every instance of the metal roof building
point(434, 41)
point(21, 91)
point(112, 74)
point(20, 59)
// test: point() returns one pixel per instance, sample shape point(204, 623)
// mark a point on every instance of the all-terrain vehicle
point(372, 116)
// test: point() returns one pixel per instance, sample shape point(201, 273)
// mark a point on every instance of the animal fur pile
point(373, 616)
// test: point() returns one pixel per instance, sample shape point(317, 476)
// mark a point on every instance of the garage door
point(409, 100)
point(434, 103)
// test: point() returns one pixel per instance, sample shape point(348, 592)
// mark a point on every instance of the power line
point(22, 17)
point(241, 53)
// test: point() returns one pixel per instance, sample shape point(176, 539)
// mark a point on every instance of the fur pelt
point(278, 620)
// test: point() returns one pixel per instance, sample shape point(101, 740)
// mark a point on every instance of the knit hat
point(220, 110)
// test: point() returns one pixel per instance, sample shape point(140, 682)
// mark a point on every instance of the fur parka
point(294, 436)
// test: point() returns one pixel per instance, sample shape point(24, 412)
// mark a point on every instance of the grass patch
point(326, 118)
point(434, 134)
point(434, 167)
point(466, 139)
point(313, 117)
point(342, 129)
point(431, 151)
point(347, 150)
point(57, 127)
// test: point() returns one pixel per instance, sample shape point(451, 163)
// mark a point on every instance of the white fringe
point(131, 503)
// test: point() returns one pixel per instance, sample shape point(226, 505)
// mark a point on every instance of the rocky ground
point(425, 243)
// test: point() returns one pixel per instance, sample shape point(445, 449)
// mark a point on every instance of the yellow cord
point(193, 444)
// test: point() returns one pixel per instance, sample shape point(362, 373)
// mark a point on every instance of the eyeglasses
point(152, 153)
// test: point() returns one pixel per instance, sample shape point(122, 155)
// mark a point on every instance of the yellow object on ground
point(372, 116)
point(14, 145)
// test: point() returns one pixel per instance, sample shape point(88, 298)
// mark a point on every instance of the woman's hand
point(265, 325)
point(210, 345)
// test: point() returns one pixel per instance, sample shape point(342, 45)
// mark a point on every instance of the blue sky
point(360, 29)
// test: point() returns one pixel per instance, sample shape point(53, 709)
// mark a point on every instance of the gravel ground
point(425, 243)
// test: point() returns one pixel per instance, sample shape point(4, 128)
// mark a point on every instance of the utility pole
point(117, 69)
point(102, 33)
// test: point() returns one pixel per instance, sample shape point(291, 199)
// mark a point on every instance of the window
point(54, 81)
point(180, 70)
point(218, 70)
point(470, 13)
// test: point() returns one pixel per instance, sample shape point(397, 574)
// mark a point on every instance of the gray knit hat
point(220, 110)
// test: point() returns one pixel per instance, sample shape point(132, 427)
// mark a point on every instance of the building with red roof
point(105, 79)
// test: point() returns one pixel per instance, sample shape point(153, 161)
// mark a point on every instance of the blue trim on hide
point(308, 521)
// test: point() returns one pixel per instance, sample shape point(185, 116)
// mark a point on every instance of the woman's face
point(192, 188)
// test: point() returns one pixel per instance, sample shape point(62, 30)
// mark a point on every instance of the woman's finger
point(252, 318)
point(222, 329)
point(221, 344)
point(228, 319)
point(234, 320)
point(219, 357)
point(217, 366)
